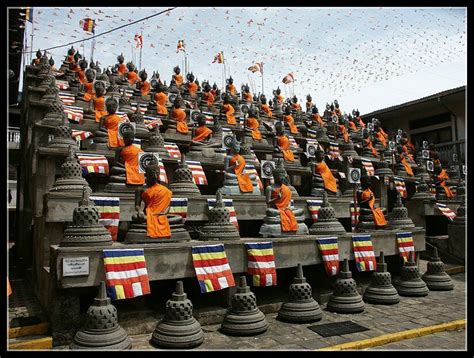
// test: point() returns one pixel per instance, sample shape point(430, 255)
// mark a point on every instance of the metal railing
point(446, 151)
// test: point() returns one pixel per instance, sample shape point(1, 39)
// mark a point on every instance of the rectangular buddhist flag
point(125, 273)
point(329, 250)
point(67, 98)
point(151, 122)
point(141, 107)
point(334, 152)
point(313, 208)
point(364, 253)
point(254, 156)
point(179, 206)
point(229, 204)
point(173, 150)
point(261, 263)
point(74, 114)
point(163, 176)
point(289, 78)
point(109, 211)
point(405, 244)
point(87, 25)
point(368, 166)
point(212, 268)
point(80, 135)
point(199, 177)
point(62, 85)
point(127, 92)
point(446, 211)
point(354, 214)
point(293, 142)
point(256, 67)
point(400, 186)
point(250, 169)
point(180, 46)
point(138, 40)
point(93, 163)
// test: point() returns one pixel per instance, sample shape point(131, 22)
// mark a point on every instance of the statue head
point(314, 110)
point(177, 70)
point(214, 86)
point(336, 103)
point(399, 149)
point(190, 77)
point(230, 80)
point(177, 101)
point(83, 64)
point(152, 173)
point(365, 181)
point(331, 107)
point(226, 99)
point(235, 146)
point(206, 87)
point(143, 75)
point(99, 88)
point(51, 61)
point(252, 112)
point(128, 133)
point(287, 110)
point(278, 91)
point(38, 53)
point(308, 98)
point(437, 170)
point(130, 66)
point(111, 104)
point(365, 133)
point(279, 173)
point(120, 58)
point(71, 51)
point(90, 75)
point(279, 128)
point(201, 120)
point(319, 155)
point(295, 99)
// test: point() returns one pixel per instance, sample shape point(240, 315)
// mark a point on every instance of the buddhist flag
point(80, 135)
point(138, 41)
point(126, 274)
point(364, 253)
point(334, 152)
point(400, 186)
point(74, 114)
point(212, 268)
point(179, 206)
point(180, 46)
point(369, 168)
point(446, 211)
point(256, 67)
point(313, 208)
point(329, 251)
point(405, 244)
point(93, 163)
point(199, 177)
point(109, 213)
point(261, 263)
point(67, 98)
point(219, 58)
point(87, 25)
point(62, 85)
point(173, 150)
point(289, 78)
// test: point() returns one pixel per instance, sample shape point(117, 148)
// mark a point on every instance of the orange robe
point(328, 179)
point(89, 94)
point(280, 99)
point(132, 77)
point(229, 113)
point(178, 79)
point(379, 218)
point(192, 87)
point(381, 138)
point(157, 199)
point(406, 165)
point(111, 124)
point(70, 58)
point(317, 118)
point(209, 97)
point(442, 178)
point(337, 111)
point(344, 132)
point(353, 126)
point(179, 115)
point(161, 98)
point(284, 144)
point(296, 106)
point(287, 217)
point(122, 69)
point(231, 89)
point(201, 133)
point(129, 155)
point(145, 88)
point(253, 124)
point(371, 147)
point(266, 109)
point(291, 123)
point(82, 76)
point(385, 135)
point(405, 150)
point(248, 97)
point(245, 184)
point(99, 108)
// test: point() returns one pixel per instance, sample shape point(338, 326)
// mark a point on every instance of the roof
point(416, 101)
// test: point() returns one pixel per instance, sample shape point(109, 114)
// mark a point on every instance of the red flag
point(288, 78)
point(138, 40)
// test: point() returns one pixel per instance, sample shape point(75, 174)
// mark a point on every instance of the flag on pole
point(446, 211)
point(405, 244)
point(180, 46)
point(256, 67)
point(109, 213)
point(126, 274)
point(400, 186)
point(87, 25)
point(219, 58)
point(93, 163)
point(313, 208)
point(138, 41)
point(199, 177)
point(368, 166)
point(212, 268)
point(364, 253)
point(289, 78)
point(229, 204)
point(179, 206)
point(261, 263)
point(329, 251)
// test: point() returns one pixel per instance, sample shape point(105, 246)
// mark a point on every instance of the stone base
point(116, 339)
point(209, 154)
point(382, 295)
point(178, 334)
point(300, 312)
point(346, 304)
point(274, 230)
point(244, 324)
point(217, 232)
point(184, 189)
point(457, 240)
point(121, 188)
point(235, 190)
point(327, 228)
point(137, 235)
point(319, 192)
point(412, 288)
point(401, 224)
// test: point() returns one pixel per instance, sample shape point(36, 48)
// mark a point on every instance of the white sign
point(354, 175)
point(267, 168)
point(425, 154)
point(144, 159)
point(76, 266)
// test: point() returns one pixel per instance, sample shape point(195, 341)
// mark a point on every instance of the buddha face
point(128, 135)
point(308, 98)
point(214, 86)
point(399, 149)
point(99, 88)
point(314, 110)
point(130, 66)
point(295, 100)
point(111, 105)
point(51, 62)
point(279, 128)
point(152, 174)
point(279, 175)
point(71, 51)
point(143, 76)
point(177, 70)
point(83, 64)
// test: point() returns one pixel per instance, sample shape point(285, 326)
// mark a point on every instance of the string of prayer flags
point(261, 263)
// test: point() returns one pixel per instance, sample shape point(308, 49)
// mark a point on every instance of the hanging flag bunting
point(180, 46)
point(93, 163)
point(289, 78)
point(138, 41)
point(313, 208)
point(80, 135)
point(212, 268)
point(109, 213)
point(369, 168)
point(329, 251)
point(173, 150)
point(87, 25)
point(354, 212)
point(229, 204)
point(179, 206)
point(261, 263)
point(125, 273)
point(364, 253)
point(199, 177)
point(446, 211)
point(67, 98)
point(405, 244)
point(219, 58)
point(74, 114)
point(250, 169)
point(256, 67)
point(400, 186)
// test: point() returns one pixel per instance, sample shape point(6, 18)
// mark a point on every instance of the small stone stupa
point(156, 144)
point(327, 222)
point(382, 166)
point(85, 229)
point(301, 307)
point(423, 192)
point(178, 329)
point(436, 277)
point(345, 298)
point(55, 115)
point(398, 218)
point(71, 175)
point(183, 185)
point(410, 283)
point(101, 330)
point(219, 226)
point(381, 291)
point(244, 318)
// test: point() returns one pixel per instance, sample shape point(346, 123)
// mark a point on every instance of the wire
point(103, 33)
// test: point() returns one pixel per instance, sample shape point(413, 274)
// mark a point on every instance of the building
point(439, 119)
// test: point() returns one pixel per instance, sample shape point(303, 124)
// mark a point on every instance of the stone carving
point(71, 175)
point(327, 222)
point(399, 218)
point(410, 283)
point(436, 277)
point(381, 290)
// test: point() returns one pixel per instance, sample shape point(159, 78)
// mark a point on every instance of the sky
point(366, 58)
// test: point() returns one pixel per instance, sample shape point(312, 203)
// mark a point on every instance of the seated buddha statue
point(380, 137)
point(309, 103)
point(230, 88)
point(124, 175)
point(282, 144)
point(368, 149)
point(337, 110)
point(143, 86)
point(322, 178)
point(179, 115)
point(316, 118)
point(407, 150)
point(108, 126)
point(68, 59)
point(228, 109)
point(191, 88)
point(161, 99)
point(86, 92)
point(279, 98)
point(120, 66)
point(358, 119)
point(131, 75)
point(216, 92)
point(443, 192)
point(264, 107)
point(96, 107)
point(236, 181)
point(37, 61)
point(280, 218)
point(207, 99)
point(201, 134)
point(289, 120)
point(403, 167)
point(342, 130)
point(177, 79)
point(327, 112)
point(247, 96)
point(370, 217)
point(78, 69)
point(295, 106)
point(252, 127)
point(354, 130)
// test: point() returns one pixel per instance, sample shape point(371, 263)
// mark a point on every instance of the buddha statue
point(236, 181)
point(346, 145)
point(402, 167)
point(282, 148)
point(190, 88)
point(265, 108)
point(86, 91)
point(96, 109)
point(36, 61)
point(216, 92)
point(230, 88)
point(368, 149)
point(370, 217)
point(176, 80)
point(323, 181)
point(80, 74)
point(68, 59)
point(289, 121)
point(131, 76)
point(161, 99)
point(120, 67)
point(141, 131)
point(442, 190)
point(143, 86)
point(280, 220)
point(107, 134)
point(286, 179)
point(358, 120)
point(277, 103)
point(380, 137)
point(228, 110)
point(158, 224)
point(309, 104)
point(354, 130)
point(295, 106)
point(247, 96)
point(125, 175)
point(252, 128)
point(178, 129)
point(316, 120)
point(207, 99)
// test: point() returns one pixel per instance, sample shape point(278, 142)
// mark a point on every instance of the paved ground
point(437, 307)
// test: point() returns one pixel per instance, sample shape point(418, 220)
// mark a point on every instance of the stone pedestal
point(399, 218)
point(381, 290)
point(436, 277)
point(410, 283)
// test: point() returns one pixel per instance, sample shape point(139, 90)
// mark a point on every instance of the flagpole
point(32, 36)
point(261, 69)
point(141, 49)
